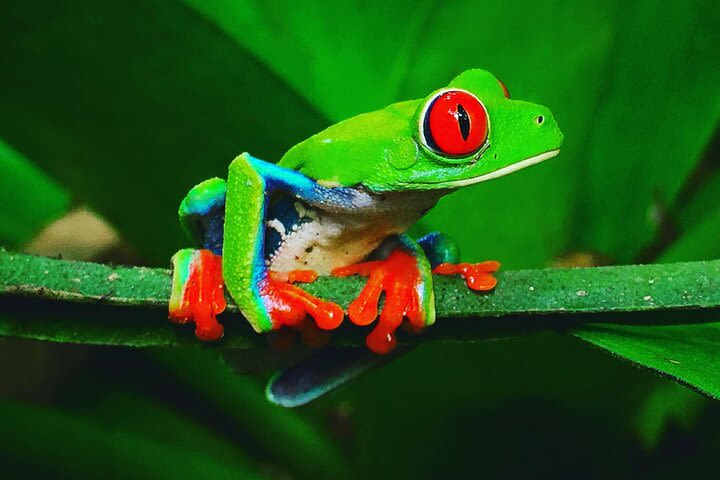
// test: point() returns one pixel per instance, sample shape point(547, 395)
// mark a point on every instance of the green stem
point(521, 294)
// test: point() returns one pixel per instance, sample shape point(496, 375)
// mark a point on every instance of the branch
point(39, 294)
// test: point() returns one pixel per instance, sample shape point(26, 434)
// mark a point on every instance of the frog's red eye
point(455, 124)
point(506, 92)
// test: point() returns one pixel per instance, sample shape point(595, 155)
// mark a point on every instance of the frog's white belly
point(330, 240)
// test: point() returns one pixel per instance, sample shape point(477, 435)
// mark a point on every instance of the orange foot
point(478, 276)
point(288, 305)
point(202, 295)
point(399, 277)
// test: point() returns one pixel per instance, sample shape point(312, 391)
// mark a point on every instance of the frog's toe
point(478, 276)
point(198, 293)
point(289, 305)
point(399, 278)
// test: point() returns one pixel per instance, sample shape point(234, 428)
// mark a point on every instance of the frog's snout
point(545, 122)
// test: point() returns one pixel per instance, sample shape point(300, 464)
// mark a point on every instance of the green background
point(123, 106)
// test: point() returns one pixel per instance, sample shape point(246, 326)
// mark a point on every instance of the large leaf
point(700, 241)
point(688, 353)
point(659, 107)
point(157, 422)
point(129, 104)
point(80, 449)
point(703, 199)
point(291, 439)
point(496, 410)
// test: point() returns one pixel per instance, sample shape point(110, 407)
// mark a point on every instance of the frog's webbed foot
point(400, 278)
point(198, 293)
point(288, 305)
point(478, 276)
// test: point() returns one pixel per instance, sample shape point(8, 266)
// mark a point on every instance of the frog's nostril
point(539, 120)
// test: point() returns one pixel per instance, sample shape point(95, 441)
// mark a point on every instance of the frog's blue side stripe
point(306, 189)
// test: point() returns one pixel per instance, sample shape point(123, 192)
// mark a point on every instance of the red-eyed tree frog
point(340, 202)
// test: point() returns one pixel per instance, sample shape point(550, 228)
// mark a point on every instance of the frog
point(341, 202)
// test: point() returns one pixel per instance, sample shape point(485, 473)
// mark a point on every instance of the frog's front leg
point(268, 299)
point(405, 276)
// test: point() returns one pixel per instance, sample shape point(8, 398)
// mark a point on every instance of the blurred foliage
point(33, 199)
point(128, 104)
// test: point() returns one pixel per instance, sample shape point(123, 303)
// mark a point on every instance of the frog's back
point(355, 150)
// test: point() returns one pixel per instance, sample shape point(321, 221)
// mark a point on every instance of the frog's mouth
point(501, 172)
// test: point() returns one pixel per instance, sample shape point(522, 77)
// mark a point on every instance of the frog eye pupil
point(463, 121)
point(455, 124)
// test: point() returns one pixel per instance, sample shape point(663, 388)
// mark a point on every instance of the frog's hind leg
point(198, 293)
point(439, 248)
point(444, 257)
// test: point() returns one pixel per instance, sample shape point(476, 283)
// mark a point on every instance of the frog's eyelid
point(506, 92)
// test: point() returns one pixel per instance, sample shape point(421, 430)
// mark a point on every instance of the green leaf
point(158, 422)
point(669, 403)
point(687, 353)
point(32, 199)
point(703, 199)
point(701, 241)
point(287, 436)
point(659, 108)
point(645, 288)
point(698, 219)
point(79, 448)
point(131, 104)
point(448, 412)
point(333, 55)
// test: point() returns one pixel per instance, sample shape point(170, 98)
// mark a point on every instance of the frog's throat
point(506, 170)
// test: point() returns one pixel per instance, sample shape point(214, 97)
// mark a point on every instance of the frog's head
point(465, 133)
point(471, 131)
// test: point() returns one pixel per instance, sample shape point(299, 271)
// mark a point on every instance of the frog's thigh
point(426, 290)
point(243, 256)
